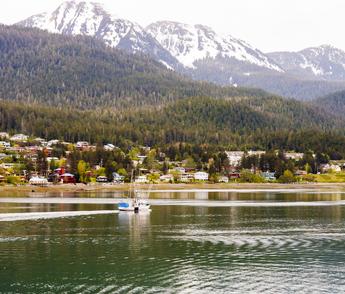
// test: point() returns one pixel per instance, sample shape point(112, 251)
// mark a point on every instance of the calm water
point(178, 248)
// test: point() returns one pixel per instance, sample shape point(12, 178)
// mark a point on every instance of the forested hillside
point(333, 103)
point(79, 71)
point(236, 123)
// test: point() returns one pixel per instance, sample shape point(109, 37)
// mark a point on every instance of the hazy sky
point(269, 25)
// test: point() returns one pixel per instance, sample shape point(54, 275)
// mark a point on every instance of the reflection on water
point(177, 249)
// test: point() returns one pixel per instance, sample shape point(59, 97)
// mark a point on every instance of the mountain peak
point(192, 43)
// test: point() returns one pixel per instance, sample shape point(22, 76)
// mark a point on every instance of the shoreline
point(81, 188)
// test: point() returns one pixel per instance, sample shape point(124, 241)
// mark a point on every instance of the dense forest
point(38, 67)
point(232, 124)
point(333, 103)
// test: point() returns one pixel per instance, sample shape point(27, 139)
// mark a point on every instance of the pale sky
point(269, 25)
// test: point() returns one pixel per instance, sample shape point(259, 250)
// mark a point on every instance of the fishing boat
point(135, 202)
point(134, 205)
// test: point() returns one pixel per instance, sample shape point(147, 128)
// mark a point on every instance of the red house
point(67, 178)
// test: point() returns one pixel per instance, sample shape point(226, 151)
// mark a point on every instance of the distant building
point(118, 179)
point(82, 145)
point(141, 180)
point(223, 179)
point(109, 147)
point(5, 144)
point(201, 176)
point(294, 155)
point(234, 157)
point(330, 167)
point(166, 178)
point(269, 176)
point(52, 142)
point(19, 138)
point(256, 153)
point(102, 179)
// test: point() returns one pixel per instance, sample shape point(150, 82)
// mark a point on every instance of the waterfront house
point(68, 178)
point(102, 179)
point(234, 175)
point(38, 181)
point(201, 176)
point(118, 179)
point(269, 176)
point(223, 179)
point(141, 180)
point(166, 178)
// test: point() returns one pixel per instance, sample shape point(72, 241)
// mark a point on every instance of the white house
point(234, 157)
point(82, 144)
point(201, 176)
point(38, 181)
point(118, 179)
point(223, 179)
point(141, 180)
point(109, 147)
point(19, 138)
point(256, 153)
point(52, 142)
point(166, 178)
point(330, 167)
point(294, 155)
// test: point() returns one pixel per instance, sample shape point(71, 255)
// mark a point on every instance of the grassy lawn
point(330, 178)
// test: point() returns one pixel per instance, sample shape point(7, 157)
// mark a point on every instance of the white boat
point(135, 205)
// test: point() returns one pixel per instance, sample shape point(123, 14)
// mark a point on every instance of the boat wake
point(8, 217)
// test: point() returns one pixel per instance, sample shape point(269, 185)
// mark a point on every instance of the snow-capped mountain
point(202, 54)
point(324, 62)
point(91, 19)
point(192, 43)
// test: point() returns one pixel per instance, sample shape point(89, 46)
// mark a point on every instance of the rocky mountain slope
point(324, 62)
